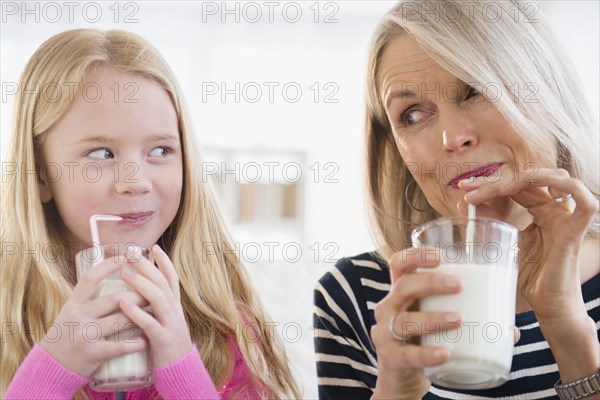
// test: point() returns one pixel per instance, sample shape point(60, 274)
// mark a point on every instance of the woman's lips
point(135, 218)
point(484, 170)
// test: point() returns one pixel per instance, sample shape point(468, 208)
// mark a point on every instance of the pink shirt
point(42, 377)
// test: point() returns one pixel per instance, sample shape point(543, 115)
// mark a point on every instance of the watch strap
point(579, 389)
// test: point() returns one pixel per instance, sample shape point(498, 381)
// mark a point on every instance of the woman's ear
point(43, 184)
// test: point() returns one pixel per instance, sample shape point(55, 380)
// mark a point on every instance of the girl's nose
point(132, 179)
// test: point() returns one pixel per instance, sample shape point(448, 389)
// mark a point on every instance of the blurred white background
point(276, 93)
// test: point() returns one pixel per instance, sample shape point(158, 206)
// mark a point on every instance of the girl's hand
point(549, 263)
point(166, 328)
point(400, 370)
point(77, 337)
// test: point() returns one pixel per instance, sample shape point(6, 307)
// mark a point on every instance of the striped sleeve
point(346, 359)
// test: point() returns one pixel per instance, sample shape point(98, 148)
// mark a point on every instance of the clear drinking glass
point(483, 253)
point(131, 371)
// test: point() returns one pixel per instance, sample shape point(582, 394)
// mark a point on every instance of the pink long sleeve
point(188, 379)
point(185, 379)
point(42, 377)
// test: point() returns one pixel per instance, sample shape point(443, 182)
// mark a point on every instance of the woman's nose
point(458, 130)
point(458, 139)
point(132, 179)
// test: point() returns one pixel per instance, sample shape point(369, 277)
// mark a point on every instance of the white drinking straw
point(471, 229)
point(94, 229)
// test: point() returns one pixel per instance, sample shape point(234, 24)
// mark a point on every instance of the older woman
point(463, 90)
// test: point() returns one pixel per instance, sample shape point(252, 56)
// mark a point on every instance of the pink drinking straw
point(94, 219)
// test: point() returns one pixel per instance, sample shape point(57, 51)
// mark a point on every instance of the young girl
point(101, 120)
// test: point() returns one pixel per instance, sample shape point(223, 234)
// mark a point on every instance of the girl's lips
point(135, 218)
point(484, 170)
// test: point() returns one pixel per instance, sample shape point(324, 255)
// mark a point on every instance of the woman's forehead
point(405, 64)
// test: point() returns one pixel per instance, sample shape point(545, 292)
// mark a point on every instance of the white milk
point(481, 349)
point(124, 368)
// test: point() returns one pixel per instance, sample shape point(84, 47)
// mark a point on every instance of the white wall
point(204, 51)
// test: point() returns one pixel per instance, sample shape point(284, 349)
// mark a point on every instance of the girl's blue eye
point(102, 154)
point(160, 151)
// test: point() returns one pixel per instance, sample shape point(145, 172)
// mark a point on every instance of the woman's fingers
point(537, 192)
point(410, 324)
point(586, 204)
point(415, 286)
point(398, 355)
point(407, 261)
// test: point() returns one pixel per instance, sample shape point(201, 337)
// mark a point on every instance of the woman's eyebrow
point(404, 94)
point(400, 94)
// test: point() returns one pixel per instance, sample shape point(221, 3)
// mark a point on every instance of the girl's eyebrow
point(107, 139)
point(101, 139)
point(168, 137)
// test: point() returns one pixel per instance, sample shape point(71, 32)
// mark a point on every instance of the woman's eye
point(160, 151)
point(412, 117)
point(102, 154)
point(472, 92)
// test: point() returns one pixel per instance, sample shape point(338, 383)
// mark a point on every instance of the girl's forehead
point(125, 105)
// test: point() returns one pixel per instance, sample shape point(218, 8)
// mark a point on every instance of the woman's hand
point(549, 267)
point(76, 338)
point(400, 370)
point(550, 254)
point(166, 328)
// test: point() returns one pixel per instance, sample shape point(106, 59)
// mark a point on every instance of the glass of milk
point(131, 371)
point(483, 253)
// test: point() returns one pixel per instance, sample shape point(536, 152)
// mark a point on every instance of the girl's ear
point(43, 185)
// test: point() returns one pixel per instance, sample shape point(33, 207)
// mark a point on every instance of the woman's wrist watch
point(579, 389)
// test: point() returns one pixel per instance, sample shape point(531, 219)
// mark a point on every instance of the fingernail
point(451, 282)
point(452, 317)
point(469, 181)
point(441, 353)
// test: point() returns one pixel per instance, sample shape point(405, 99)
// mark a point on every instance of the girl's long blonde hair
point(488, 44)
point(216, 295)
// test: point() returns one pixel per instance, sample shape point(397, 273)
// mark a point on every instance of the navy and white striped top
point(344, 304)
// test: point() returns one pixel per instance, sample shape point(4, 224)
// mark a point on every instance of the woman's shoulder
point(353, 273)
point(357, 266)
